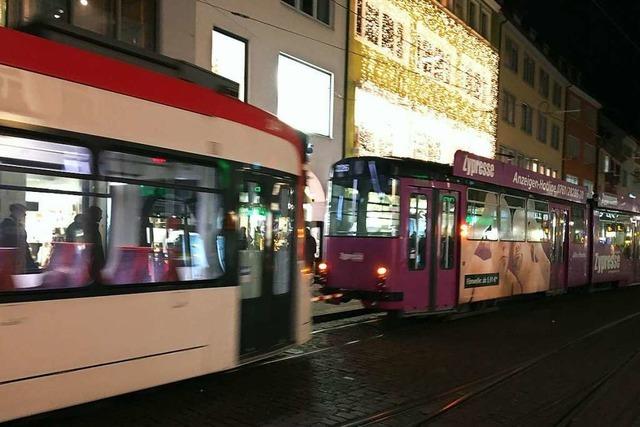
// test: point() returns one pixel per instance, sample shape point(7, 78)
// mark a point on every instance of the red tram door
point(431, 280)
point(558, 255)
point(445, 261)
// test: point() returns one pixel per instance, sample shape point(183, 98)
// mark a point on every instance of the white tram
point(149, 229)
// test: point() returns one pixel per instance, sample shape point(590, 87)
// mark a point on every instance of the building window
point(554, 174)
point(589, 186)
point(318, 9)
point(527, 119)
point(542, 128)
point(543, 80)
point(508, 110)
point(473, 15)
point(379, 28)
point(573, 148)
point(511, 55)
point(555, 136)
point(625, 178)
point(606, 163)
point(130, 21)
point(229, 58)
point(3, 13)
point(484, 24)
point(589, 154)
point(305, 96)
point(458, 8)
point(529, 74)
point(571, 179)
point(557, 95)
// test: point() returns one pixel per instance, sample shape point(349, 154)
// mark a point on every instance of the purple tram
point(417, 237)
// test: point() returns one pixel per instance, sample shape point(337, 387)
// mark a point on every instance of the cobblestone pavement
point(347, 373)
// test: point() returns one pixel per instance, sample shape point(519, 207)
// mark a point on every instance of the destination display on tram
point(471, 166)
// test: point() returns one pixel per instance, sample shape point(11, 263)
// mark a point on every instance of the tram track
point(425, 410)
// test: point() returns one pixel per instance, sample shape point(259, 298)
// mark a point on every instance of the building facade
point(532, 105)
point(421, 83)
point(619, 161)
point(581, 139)
point(288, 56)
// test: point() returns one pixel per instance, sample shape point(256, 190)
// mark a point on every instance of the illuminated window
point(511, 55)
point(512, 218)
point(229, 58)
point(529, 73)
point(589, 185)
point(305, 96)
point(482, 215)
point(543, 79)
point(527, 119)
point(571, 179)
point(537, 221)
point(542, 128)
point(555, 136)
point(318, 9)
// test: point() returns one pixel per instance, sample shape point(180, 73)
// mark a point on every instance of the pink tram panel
point(419, 237)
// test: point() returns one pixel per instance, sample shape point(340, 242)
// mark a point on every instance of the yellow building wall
point(512, 136)
point(368, 64)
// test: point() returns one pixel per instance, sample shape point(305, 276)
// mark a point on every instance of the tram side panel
point(513, 260)
point(612, 260)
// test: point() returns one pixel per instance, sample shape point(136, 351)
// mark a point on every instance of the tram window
point(364, 207)
point(578, 225)
point(157, 169)
point(160, 235)
point(447, 231)
point(417, 232)
point(36, 154)
point(482, 215)
point(512, 218)
point(538, 221)
point(283, 215)
point(49, 239)
point(615, 230)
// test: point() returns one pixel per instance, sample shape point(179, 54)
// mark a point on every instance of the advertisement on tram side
point(612, 259)
point(496, 259)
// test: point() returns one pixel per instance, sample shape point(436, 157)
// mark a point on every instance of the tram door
point(432, 248)
point(266, 257)
point(559, 247)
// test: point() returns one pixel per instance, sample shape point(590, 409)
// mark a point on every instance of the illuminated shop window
point(229, 58)
point(305, 96)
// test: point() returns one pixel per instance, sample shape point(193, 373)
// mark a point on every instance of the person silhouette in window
point(74, 231)
point(91, 231)
point(14, 235)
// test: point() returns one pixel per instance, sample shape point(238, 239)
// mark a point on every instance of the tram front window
point(364, 206)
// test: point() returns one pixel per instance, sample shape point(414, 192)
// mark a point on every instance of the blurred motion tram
point(149, 228)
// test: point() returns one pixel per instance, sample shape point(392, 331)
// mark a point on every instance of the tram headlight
point(381, 272)
point(464, 230)
point(322, 267)
point(321, 273)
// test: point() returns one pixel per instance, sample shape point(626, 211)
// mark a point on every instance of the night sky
point(601, 38)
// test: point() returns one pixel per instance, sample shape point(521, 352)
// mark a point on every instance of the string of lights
point(373, 58)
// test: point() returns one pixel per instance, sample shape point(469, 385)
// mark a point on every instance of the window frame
point(331, 76)
point(512, 57)
point(471, 201)
point(529, 70)
point(542, 128)
point(527, 119)
point(246, 57)
point(417, 197)
point(297, 6)
point(97, 144)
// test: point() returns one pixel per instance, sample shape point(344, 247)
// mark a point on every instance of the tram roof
point(35, 54)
